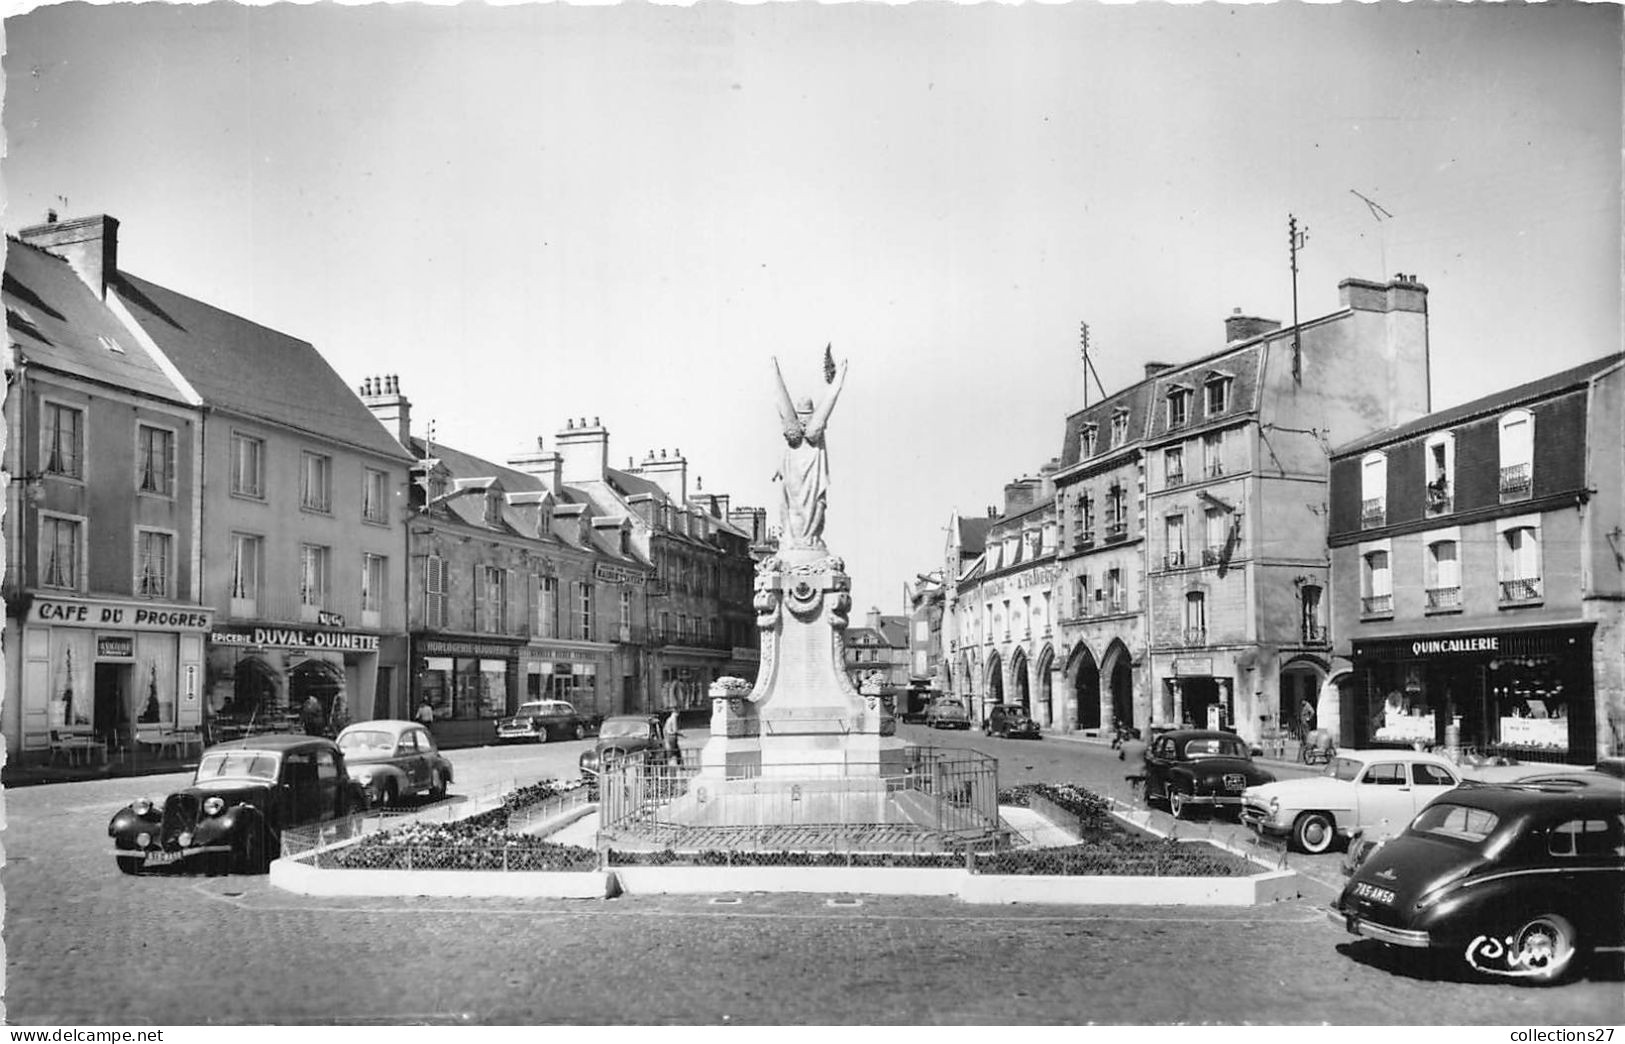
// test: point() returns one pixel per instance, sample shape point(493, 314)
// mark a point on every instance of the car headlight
point(213, 806)
point(364, 777)
point(141, 806)
point(1275, 806)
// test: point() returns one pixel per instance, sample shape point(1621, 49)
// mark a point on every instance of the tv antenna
point(1088, 365)
point(1380, 213)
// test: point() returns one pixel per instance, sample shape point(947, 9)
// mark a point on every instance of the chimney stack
point(670, 473)
point(585, 451)
point(545, 466)
point(89, 244)
point(382, 395)
point(1238, 327)
point(1154, 368)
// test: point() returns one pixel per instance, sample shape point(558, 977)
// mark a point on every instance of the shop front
point(262, 679)
point(580, 676)
point(106, 669)
point(1194, 697)
point(1526, 693)
point(469, 683)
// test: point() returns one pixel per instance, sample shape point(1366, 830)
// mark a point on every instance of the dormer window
point(493, 509)
point(1218, 393)
point(1441, 467)
point(1087, 439)
point(1119, 427)
point(1179, 406)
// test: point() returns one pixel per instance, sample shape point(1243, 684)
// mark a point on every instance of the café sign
point(78, 612)
point(292, 638)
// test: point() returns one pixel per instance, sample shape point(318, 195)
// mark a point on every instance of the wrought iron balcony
point(1515, 483)
point(1314, 632)
point(1444, 597)
point(1175, 479)
point(1116, 531)
point(1375, 604)
point(1526, 589)
point(1196, 636)
point(1174, 559)
point(1440, 500)
point(1373, 513)
point(1215, 468)
point(1211, 555)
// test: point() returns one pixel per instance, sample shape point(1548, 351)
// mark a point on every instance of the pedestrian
point(1306, 717)
point(312, 715)
point(674, 751)
point(425, 715)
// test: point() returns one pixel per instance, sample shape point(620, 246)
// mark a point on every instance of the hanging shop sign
point(120, 647)
point(612, 574)
point(80, 612)
point(293, 638)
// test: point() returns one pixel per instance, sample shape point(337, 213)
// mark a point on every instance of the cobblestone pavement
point(86, 944)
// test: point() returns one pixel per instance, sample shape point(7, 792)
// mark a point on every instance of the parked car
point(538, 721)
point(394, 760)
point(1357, 791)
point(913, 704)
point(243, 795)
point(1520, 879)
point(947, 713)
point(1010, 719)
point(1207, 768)
point(624, 734)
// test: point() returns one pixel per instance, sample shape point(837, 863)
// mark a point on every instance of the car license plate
point(1235, 782)
point(160, 858)
point(1375, 894)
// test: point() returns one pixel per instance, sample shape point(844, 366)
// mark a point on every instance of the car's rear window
point(950, 705)
point(1214, 748)
point(367, 739)
point(1458, 822)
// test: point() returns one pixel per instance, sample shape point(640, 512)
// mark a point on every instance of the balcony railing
point(1116, 605)
point(1175, 479)
point(1373, 513)
point(1444, 597)
point(1196, 636)
point(1526, 589)
point(1440, 501)
point(1515, 483)
point(1173, 559)
point(1314, 632)
point(1211, 555)
point(1215, 468)
point(1116, 531)
point(1374, 604)
point(1083, 541)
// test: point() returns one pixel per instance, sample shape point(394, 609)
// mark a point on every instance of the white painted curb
point(294, 876)
point(815, 880)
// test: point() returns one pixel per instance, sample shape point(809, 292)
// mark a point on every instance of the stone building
point(1478, 574)
point(105, 627)
point(285, 516)
point(878, 652)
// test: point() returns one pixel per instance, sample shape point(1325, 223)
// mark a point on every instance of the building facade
point(877, 653)
point(105, 627)
point(1478, 574)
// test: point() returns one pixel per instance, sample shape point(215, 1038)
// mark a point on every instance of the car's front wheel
point(390, 795)
point(248, 851)
point(541, 734)
point(1313, 832)
point(437, 785)
point(1176, 802)
point(581, 731)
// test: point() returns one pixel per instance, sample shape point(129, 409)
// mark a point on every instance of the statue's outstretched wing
point(786, 407)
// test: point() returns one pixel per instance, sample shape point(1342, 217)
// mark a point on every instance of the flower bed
point(484, 842)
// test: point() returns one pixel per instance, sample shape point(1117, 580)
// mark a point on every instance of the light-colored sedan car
point(1375, 791)
point(394, 760)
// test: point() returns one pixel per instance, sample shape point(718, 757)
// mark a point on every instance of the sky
point(540, 213)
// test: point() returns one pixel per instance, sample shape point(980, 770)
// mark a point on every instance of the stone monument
point(803, 716)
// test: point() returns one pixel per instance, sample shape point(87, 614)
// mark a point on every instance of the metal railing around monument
point(933, 799)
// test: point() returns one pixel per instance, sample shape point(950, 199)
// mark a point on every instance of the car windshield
point(1215, 747)
point(1458, 822)
point(252, 764)
point(367, 741)
point(1015, 712)
point(1346, 769)
point(614, 729)
point(531, 708)
point(950, 705)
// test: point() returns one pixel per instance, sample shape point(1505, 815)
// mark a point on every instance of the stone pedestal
point(804, 714)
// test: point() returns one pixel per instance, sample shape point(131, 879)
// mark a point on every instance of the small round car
point(947, 713)
point(394, 760)
point(622, 735)
point(1369, 791)
point(1200, 768)
point(1010, 719)
point(242, 796)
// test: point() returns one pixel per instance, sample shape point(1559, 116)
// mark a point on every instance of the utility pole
point(1296, 238)
point(1088, 365)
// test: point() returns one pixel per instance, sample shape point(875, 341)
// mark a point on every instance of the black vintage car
point(244, 794)
point(623, 735)
point(1010, 719)
point(1188, 768)
point(1517, 878)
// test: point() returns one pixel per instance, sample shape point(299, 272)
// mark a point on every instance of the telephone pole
point(1296, 238)
point(1088, 365)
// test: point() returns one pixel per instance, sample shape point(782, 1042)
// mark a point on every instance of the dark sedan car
point(621, 735)
point(1517, 878)
point(541, 720)
point(243, 795)
point(1200, 768)
point(1010, 719)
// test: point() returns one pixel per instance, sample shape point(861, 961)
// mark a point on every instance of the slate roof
point(252, 370)
point(1135, 399)
point(1495, 402)
point(1240, 364)
point(973, 534)
point(57, 321)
